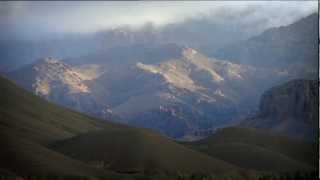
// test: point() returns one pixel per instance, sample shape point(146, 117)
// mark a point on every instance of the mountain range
point(175, 95)
point(173, 88)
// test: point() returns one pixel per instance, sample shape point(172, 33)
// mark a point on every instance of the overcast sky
point(27, 17)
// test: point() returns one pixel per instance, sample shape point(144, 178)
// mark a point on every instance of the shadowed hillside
point(247, 147)
point(290, 109)
point(148, 152)
point(29, 124)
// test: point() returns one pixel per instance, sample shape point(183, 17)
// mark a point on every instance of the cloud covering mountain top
point(27, 17)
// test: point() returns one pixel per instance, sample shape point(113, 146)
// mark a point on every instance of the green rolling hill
point(138, 151)
point(39, 120)
point(40, 140)
point(30, 127)
point(248, 147)
point(28, 124)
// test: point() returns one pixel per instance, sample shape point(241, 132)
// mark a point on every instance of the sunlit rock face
point(52, 72)
point(60, 83)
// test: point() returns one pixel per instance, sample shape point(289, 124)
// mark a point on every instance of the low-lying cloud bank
point(36, 18)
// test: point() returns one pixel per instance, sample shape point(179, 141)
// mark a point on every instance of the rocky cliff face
point(296, 99)
point(291, 109)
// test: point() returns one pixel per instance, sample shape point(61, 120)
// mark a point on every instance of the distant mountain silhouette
point(294, 46)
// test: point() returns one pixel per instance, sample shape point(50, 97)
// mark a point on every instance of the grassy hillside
point(29, 125)
point(39, 140)
point(248, 148)
point(31, 160)
point(135, 151)
point(40, 120)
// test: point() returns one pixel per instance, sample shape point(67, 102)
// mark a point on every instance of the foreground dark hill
point(23, 158)
point(248, 147)
point(30, 126)
point(33, 129)
point(133, 151)
point(39, 120)
point(27, 124)
point(290, 109)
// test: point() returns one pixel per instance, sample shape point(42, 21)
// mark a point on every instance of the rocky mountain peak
point(189, 53)
point(51, 60)
point(51, 72)
point(50, 63)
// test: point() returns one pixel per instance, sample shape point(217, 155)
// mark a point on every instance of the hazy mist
point(27, 19)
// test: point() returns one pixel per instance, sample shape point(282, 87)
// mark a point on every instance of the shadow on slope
point(139, 151)
point(29, 124)
point(259, 150)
